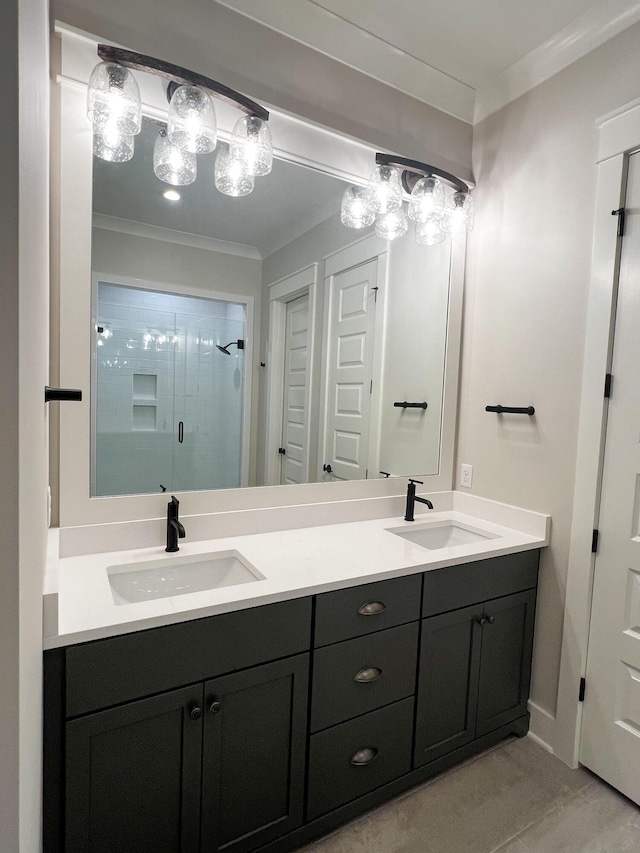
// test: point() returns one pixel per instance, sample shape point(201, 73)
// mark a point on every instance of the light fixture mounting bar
point(413, 170)
point(181, 76)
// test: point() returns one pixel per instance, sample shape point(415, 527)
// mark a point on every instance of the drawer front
point(359, 610)
point(358, 676)
point(460, 586)
point(109, 672)
point(354, 758)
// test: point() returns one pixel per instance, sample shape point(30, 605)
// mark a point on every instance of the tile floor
point(516, 798)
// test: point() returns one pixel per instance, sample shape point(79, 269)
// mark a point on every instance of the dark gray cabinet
point(251, 731)
point(133, 776)
point(474, 671)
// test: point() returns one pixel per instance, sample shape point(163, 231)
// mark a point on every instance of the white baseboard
point(541, 726)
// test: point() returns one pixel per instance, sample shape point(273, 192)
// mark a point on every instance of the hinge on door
point(375, 294)
point(594, 541)
point(620, 214)
point(366, 474)
point(371, 387)
point(583, 685)
point(608, 379)
point(281, 451)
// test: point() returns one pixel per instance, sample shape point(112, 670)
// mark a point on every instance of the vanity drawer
point(354, 758)
point(359, 610)
point(459, 586)
point(118, 669)
point(357, 676)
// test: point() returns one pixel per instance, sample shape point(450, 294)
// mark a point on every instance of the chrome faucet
point(175, 530)
point(412, 498)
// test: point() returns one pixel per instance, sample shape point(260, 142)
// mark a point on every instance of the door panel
point(295, 462)
point(254, 755)
point(505, 662)
point(610, 738)
point(447, 682)
point(134, 777)
point(350, 370)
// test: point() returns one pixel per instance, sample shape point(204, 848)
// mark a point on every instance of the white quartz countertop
point(294, 563)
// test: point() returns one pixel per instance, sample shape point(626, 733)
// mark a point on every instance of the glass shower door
point(168, 392)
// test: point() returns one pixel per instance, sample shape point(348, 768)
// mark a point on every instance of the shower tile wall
point(157, 365)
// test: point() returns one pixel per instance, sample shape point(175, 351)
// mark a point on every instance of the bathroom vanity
point(265, 727)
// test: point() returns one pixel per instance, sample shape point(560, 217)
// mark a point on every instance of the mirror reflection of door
point(168, 404)
point(350, 372)
point(295, 459)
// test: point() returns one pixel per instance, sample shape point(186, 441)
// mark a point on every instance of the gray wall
point(24, 250)
point(528, 274)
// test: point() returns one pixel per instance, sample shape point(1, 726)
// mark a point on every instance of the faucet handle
point(416, 481)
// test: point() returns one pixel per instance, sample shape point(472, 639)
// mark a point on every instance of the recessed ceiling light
point(171, 195)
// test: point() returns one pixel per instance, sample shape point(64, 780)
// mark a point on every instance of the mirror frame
point(296, 141)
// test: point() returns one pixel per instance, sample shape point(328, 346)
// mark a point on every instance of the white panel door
point(295, 420)
point(349, 371)
point(610, 738)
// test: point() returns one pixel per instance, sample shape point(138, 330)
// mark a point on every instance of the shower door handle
point(181, 432)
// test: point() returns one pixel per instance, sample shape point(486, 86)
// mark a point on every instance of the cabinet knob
point(491, 619)
point(195, 713)
point(368, 674)
point(364, 756)
point(371, 608)
point(482, 620)
point(215, 706)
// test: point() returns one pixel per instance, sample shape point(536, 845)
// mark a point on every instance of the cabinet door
point(447, 682)
point(505, 663)
point(254, 755)
point(133, 777)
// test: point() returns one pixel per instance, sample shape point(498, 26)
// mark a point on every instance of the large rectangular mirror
point(348, 358)
point(243, 342)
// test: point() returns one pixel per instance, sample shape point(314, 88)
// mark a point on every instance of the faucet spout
point(175, 530)
point(412, 498)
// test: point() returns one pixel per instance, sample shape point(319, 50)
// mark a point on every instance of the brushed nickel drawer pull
point(368, 675)
point(371, 608)
point(364, 757)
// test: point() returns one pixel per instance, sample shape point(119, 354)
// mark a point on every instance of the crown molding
point(349, 44)
point(168, 235)
point(586, 33)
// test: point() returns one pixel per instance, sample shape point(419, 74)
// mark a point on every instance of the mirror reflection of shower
point(239, 343)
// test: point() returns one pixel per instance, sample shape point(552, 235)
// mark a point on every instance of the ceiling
point(448, 52)
point(282, 206)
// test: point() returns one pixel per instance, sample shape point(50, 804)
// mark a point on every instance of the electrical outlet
point(466, 475)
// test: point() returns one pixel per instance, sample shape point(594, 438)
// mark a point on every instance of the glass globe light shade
point(356, 209)
point(386, 189)
point(427, 200)
point(458, 214)
point(113, 147)
point(113, 100)
point(390, 226)
point(251, 141)
point(231, 174)
point(429, 233)
point(192, 120)
point(171, 164)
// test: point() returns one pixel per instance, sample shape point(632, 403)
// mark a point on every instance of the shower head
point(239, 343)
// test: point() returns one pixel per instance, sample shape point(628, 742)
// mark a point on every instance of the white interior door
point(350, 371)
point(610, 738)
point(295, 419)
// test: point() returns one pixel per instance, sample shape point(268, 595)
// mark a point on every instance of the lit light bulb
point(386, 189)
point(356, 209)
point(251, 143)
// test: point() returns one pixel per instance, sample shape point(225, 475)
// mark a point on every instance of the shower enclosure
point(169, 409)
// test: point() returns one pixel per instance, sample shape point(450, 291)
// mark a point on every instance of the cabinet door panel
point(254, 755)
point(133, 777)
point(505, 663)
point(447, 683)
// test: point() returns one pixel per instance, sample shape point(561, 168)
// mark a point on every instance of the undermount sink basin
point(153, 579)
point(445, 534)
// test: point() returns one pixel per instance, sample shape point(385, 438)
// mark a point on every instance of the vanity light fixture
point(435, 214)
point(115, 110)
